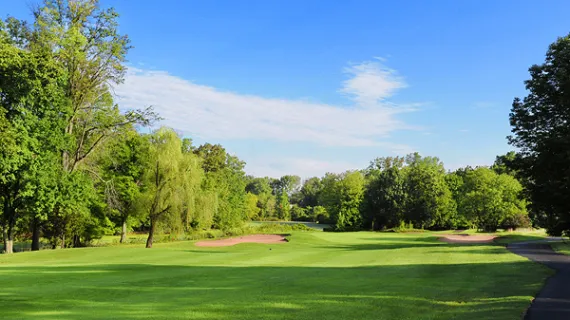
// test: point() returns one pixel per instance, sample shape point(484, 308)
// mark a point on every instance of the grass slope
point(316, 275)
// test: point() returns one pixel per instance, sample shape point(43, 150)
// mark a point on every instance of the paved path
point(553, 300)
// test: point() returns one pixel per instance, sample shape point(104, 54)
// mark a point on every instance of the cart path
point(553, 300)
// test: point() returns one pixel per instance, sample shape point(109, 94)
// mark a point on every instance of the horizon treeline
point(75, 167)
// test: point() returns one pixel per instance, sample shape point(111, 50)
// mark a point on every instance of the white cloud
point(371, 83)
point(303, 167)
point(213, 114)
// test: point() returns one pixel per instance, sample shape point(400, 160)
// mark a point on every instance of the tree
point(226, 180)
point(489, 199)
point(310, 191)
point(283, 207)
point(172, 180)
point(258, 186)
point(430, 203)
point(541, 132)
point(214, 157)
point(31, 105)
point(505, 164)
point(252, 210)
point(385, 196)
point(122, 164)
point(289, 184)
point(90, 54)
point(85, 40)
point(319, 214)
point(342, 197)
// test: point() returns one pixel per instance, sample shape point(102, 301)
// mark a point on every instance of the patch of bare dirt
point(467, 238)
point(256, 238)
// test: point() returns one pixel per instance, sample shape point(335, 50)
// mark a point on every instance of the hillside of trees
point(74, 166)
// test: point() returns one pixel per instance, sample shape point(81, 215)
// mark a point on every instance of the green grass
point(317, 275)
point(562, 247)
point(509, 237)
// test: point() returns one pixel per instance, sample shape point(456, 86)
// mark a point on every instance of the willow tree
point(172, 182)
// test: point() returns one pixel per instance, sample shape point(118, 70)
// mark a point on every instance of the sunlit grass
point(317, 275)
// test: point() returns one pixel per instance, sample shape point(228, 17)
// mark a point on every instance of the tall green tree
point(309, 193)
point(385, 196)
point(430, 202)
point(226, 180)
point(505, 164)
point(85, 43)
point(342, 197)
point(282, 206)
point(541, 132)
point(489, 199)
point(31, 106)
point(172, 181)
point(122, 164)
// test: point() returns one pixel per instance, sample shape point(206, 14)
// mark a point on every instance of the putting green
point(316, 275)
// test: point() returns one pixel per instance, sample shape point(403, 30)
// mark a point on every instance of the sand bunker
point(257, 238)
point(467, 238)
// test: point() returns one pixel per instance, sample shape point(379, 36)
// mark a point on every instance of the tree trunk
point(8, 240)
point(124, 232)
point(9, 248)
point(62, 240)
point(35, 235)
point(150, 235)
point(4, 237)
point(76, 241)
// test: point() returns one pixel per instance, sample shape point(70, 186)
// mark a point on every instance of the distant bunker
point(257, 238)
point(467, 238)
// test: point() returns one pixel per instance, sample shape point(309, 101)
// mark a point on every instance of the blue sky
point(306, 87)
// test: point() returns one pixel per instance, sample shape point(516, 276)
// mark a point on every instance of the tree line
point(399, 192)
point(75, 167)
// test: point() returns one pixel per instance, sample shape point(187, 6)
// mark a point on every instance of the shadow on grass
point(204, 251)
point(510, 238)
point(387, 243)
point(140, 291)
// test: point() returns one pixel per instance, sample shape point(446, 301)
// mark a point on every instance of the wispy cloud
point(371, 83)
point(303, 167)
point(214, 114)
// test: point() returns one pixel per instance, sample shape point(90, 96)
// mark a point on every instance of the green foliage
point(429, 201)
point(300, 214)
point(488, 198)
point(320, 215)
point(172, 179)
point(30, 110)
point(541, 133)
point(342, 197)
point(282, 208)
point(310, 192)
point(252, 210)
point(122, 163)
point(405, 227)
point(385, 198)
